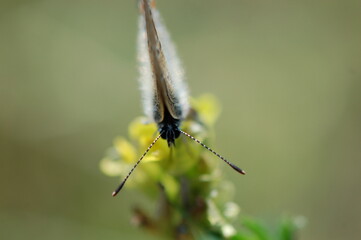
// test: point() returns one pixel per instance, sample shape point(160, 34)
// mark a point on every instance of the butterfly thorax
point(169, 128)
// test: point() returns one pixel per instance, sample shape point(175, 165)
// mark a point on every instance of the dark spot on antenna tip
point(237, 169)
point(119, 188)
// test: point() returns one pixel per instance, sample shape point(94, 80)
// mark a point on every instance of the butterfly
point(165, 95)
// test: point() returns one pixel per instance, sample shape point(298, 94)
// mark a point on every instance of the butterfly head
point(169, 131)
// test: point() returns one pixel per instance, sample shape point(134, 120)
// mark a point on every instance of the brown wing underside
point(164, 93)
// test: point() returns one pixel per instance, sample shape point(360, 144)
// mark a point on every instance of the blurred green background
point(286, 72)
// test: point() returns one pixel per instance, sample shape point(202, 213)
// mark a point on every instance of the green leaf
point(257, 228)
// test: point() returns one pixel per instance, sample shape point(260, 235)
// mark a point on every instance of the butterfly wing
point(161, 78)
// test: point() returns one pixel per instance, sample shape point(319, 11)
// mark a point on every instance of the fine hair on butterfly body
point(165, 96)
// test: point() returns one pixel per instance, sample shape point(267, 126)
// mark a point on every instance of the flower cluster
point(195, 201)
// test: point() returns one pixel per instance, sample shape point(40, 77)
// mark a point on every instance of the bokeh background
point(286, 72)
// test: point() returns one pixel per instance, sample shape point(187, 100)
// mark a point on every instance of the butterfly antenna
point(135, 165)
point(215, 153)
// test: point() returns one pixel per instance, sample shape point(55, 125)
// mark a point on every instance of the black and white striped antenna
point(215, 153)
point(116, 191)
